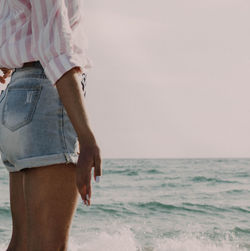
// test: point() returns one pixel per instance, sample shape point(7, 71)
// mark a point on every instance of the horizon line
point(176, 158)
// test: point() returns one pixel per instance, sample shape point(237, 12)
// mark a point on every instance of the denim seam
point(3, 94)
point(62, 135)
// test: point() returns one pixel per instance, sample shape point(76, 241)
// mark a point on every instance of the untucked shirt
point(49, 31)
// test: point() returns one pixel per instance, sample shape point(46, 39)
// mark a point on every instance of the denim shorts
point(35, 129)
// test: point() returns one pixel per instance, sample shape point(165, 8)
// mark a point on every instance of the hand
point(89, 157)
point(6, 74)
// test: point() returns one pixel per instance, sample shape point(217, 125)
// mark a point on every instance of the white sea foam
point(194, 244)
point(122, 240)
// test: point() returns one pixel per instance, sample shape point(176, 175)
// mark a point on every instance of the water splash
point(122, 240)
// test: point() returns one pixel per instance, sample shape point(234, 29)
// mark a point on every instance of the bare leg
point(18, 212)
point(51, 198)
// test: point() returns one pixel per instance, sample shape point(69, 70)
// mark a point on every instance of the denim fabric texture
point(35, 129)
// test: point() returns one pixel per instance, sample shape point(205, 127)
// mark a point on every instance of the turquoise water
point(159, 205)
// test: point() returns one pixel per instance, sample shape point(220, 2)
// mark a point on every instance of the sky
point(170, 79)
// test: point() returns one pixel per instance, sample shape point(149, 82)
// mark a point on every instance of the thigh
point(51, 198)
point(18, 209)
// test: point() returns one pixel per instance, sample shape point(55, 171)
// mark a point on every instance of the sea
point(158, 205)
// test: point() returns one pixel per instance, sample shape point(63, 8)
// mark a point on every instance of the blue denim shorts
point(35, 129)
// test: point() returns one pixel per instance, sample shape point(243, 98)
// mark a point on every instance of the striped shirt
point(49, 31)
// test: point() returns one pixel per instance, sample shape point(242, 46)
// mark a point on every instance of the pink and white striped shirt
point(50, 31)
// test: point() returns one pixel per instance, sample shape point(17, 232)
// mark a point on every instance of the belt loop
point(13, 71)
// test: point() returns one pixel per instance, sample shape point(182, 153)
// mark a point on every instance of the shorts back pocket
point(19, 106)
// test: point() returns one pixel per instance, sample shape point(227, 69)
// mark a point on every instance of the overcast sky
point(170, 78)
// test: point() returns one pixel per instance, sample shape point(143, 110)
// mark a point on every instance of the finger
point(4, 68)
point(97, 170)
point(2, 80)
point(88, 195)
point(5, 71)
point(7, 74)
point(83, 193)
point(81, 185)
point(88, 188)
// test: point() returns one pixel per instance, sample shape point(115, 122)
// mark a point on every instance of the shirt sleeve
point(53, 40)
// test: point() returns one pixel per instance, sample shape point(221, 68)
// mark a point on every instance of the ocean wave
point(171, 184)
point(240, 209)
point(128, 172)
point(214, 180)
point(158, 206)
point(236, 191)
point(114, 209)
point(206, 207)
point(238, 230)
point(131, 171)
point(5, 211)
point(242, 174)
point(153, 171)
point(214, 209)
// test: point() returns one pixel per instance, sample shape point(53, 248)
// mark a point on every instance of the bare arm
point(71, 95)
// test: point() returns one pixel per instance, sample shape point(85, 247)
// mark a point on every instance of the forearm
point(70, 92)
